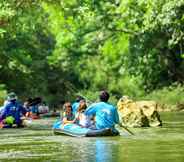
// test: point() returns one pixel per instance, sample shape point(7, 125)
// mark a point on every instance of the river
point(147, 145)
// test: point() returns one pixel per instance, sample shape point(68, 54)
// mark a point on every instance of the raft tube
point(75, 130)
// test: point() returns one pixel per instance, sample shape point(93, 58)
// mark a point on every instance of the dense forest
point(57, 49)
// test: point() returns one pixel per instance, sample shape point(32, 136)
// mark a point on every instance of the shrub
point(3, 93)
point(171, 95)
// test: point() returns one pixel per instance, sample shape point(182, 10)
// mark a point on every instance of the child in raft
point(68, 116)
point(80, 118)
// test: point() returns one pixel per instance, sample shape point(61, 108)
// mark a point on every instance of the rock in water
point(138, 113)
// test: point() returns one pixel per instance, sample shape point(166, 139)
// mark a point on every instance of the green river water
point(164, 144)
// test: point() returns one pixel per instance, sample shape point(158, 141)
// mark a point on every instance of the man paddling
point(106, 115)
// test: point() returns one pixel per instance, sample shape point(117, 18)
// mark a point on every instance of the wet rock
point(138, 113)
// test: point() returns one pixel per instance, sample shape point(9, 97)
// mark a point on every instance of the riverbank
point(171, 108)
point(169, 98)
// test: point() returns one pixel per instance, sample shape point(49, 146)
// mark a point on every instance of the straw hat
point(12, 96)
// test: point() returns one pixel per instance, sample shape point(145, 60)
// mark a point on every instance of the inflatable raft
point(75, 130)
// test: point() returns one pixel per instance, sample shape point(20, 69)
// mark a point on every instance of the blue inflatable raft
point(75, 130)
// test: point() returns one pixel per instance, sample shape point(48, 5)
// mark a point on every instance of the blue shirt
point(15, 110)
point(106, 115)
point(75, 107)
point(34, 109)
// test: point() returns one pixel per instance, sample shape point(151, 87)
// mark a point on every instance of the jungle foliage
point(58, 48)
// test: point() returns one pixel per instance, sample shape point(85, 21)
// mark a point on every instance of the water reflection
point(91, 150)
point(103, 151)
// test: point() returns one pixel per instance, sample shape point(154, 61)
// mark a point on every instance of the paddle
point(126, 129)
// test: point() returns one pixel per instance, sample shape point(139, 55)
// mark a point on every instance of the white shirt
point(84, 120)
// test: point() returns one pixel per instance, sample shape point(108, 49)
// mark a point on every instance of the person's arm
point(23, 110)
point(4, 112)
point(65, 121)
point(116, 116)
point(91, 110)
point(76, 119)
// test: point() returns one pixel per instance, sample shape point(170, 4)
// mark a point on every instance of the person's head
point(79, 98)
point(44, 103)
point(12, 96)
point(67, 107)
point(26, 104)
point(104, 96)
point(82, 106)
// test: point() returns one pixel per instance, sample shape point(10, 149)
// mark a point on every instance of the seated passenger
point(75, 105)
point(13, 112)
point(34, 111)
point(81, 118)
point(34, 104)
point(68, 116)
point(27, 108)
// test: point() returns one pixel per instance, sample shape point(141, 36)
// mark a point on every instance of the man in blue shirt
point(106, 115)
point(13, 111)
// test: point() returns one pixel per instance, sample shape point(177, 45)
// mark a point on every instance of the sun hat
point(12, 96)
